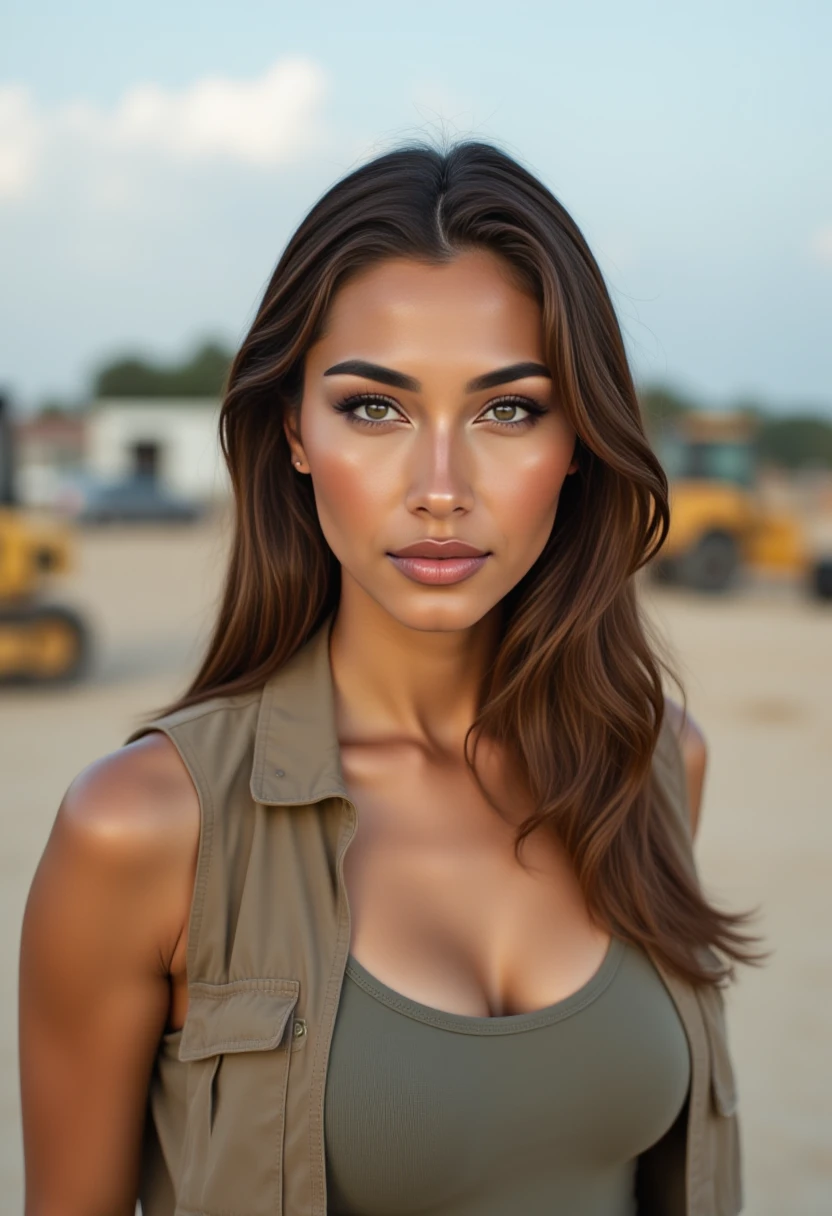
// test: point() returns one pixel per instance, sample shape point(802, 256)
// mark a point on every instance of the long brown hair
point(574, 691)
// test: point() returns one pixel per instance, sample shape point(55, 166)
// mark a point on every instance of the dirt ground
point(758, 669)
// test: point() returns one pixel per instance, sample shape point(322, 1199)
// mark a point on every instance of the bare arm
point(107, 906)
point(694, 755)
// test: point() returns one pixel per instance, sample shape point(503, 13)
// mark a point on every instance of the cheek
point(352, 494)
point(522, 494)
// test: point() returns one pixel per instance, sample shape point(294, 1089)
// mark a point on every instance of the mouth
point(439, 563)
point(439, 549)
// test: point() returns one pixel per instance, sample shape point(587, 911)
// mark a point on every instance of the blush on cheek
point(525, 511)
point(533, 490)
point(349, 502)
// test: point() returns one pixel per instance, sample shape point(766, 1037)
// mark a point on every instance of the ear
point(291, 431)
point(573, 468)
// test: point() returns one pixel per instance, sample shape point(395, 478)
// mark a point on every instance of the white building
point(172, 439)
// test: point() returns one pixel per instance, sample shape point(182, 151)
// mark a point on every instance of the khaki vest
point(235, 1116)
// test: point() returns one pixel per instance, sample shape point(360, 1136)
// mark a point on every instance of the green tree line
point(786, 440)
point(201, 375)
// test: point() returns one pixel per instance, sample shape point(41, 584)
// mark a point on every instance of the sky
point(155, 158)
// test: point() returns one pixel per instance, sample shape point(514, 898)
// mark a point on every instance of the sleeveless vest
point(235, 1110)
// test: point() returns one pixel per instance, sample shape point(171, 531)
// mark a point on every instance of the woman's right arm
point(107, 908)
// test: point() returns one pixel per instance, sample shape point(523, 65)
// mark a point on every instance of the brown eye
point(374, 409)
point(377, 410)
point(513, 412)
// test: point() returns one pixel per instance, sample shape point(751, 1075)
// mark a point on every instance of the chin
point(436, 611)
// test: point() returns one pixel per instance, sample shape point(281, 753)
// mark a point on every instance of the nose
point(440, 476)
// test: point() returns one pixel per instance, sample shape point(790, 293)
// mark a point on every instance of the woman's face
point(428, 415)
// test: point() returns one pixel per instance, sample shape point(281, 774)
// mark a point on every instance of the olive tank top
point(429, 1113)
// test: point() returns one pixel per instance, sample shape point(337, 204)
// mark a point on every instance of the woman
point(500, 993)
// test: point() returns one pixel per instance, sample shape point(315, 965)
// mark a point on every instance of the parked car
point(134, 499)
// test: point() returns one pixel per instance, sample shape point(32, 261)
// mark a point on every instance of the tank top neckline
point(509, 1023)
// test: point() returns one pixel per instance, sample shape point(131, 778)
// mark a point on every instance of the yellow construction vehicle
point(720, 521)
point(39, 641)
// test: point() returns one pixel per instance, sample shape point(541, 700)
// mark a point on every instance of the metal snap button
point(279, 772)
point(299, 1028)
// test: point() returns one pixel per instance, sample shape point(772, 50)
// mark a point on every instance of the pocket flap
point(244, 1015)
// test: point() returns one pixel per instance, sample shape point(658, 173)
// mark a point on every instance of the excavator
point(721, 522)
point(40, 641)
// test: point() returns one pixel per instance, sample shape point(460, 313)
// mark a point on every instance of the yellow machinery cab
point(719, 519)
point(39, 640)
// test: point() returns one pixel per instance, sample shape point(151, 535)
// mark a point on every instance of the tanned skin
point(104, 936)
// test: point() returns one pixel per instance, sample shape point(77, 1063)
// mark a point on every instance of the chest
point(478, 1117)
point(441, 908)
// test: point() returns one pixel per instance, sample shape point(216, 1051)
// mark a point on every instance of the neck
point(394, 682)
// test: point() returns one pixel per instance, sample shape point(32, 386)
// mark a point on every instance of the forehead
point(472, 306)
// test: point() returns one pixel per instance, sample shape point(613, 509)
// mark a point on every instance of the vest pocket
point(237, 1040)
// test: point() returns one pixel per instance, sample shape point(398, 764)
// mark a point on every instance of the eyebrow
point(387, 375)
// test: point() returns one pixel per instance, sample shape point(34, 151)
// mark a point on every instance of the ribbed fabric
point(430, 1113)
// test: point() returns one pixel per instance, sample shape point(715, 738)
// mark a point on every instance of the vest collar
point(296, 753)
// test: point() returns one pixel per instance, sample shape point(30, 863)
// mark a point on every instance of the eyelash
point(348, 406)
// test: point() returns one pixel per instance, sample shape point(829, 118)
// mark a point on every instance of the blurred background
point(154, 160)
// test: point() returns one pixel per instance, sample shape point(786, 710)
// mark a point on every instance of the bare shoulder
point(134, 816)
point(694, 751)
point(140, 796)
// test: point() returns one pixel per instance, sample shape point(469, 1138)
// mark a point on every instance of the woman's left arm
point(694, 754)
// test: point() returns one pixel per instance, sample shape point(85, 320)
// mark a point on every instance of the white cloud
point(265, 123)
point(820, 245)
point(20, 139)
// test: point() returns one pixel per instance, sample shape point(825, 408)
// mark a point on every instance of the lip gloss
point(438, 572)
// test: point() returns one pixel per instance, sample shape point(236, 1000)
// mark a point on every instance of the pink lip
point(438, 572)
point(438, 548)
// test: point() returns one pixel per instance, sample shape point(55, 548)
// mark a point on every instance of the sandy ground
point(758, 669)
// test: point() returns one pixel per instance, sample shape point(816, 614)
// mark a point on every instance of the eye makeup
point(355, 401)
